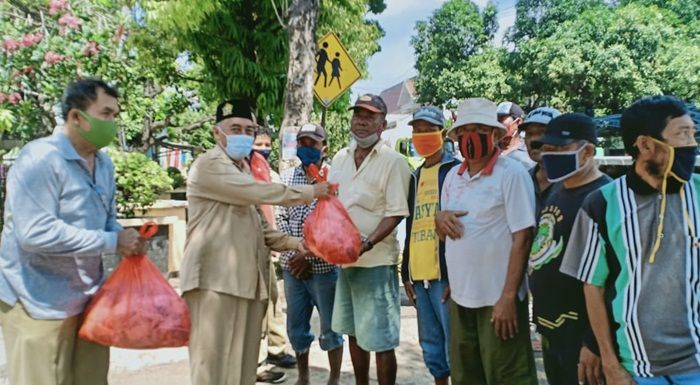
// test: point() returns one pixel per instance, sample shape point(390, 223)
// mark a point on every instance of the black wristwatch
point(367, 243)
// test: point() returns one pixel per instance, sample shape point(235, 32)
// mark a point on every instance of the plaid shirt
point(291, 220)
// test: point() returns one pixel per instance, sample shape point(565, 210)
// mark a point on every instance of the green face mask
point(102, 132)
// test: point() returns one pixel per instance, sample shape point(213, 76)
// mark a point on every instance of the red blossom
point(3, 97)
point(14, 98)
point(38, 37)
point(11, 45)
point(30, 39)
point(57, 6)
point(69, 21)
point(91, 48)
point(52, 58)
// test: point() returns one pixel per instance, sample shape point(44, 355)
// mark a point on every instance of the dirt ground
point(412, 370)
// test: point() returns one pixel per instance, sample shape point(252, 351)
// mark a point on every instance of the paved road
point(170, 366)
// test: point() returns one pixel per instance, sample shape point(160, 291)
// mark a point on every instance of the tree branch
point(159, 125)
point(184, 77)
point(196, 124)
point(24, 8)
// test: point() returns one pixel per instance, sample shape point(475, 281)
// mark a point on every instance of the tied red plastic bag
point(136, 308)
point(329, 231)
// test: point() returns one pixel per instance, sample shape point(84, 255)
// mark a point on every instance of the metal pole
point(323, 116)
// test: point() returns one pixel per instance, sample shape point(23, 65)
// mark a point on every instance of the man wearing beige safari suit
point(225, 270)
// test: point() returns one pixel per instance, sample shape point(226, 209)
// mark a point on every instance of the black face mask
point(264, 153)
point(683, 162)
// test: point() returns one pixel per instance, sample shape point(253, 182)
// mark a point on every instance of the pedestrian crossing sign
point(335, 71)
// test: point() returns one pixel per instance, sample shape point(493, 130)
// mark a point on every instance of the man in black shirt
point(559, 309)
point(534, 126)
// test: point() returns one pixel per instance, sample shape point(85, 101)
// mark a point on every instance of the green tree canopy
point(590, 55)
point(243, 49)
point(541, 18)
point(606, 58)
point(445, 45)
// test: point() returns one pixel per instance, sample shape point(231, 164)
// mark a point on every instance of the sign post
point(335, 71)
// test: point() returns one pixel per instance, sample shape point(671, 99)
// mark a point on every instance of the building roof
point(401, 97)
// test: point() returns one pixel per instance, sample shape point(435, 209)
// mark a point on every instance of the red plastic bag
point(329, 231)
point(136, 308)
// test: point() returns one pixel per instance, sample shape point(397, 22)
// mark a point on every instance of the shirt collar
point(641, 187)
point(64, 145)
point(68, 151)
point(221, 153)
point(299, 171)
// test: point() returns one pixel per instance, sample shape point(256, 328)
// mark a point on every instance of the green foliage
point(541, 18)
point(7, 119)
point(176, 176)
point(337, 129)
point(61, 41)
point(139, 182)
point(606, 58)
point(687, 10)
point(444, 45)
point(482, 75)
point(242, 48)
point(592, 55)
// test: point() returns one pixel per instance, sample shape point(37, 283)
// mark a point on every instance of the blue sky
point(395, 62)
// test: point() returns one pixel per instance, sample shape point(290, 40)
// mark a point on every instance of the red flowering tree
point(48, 44)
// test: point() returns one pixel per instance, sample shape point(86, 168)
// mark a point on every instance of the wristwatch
point(367, 243)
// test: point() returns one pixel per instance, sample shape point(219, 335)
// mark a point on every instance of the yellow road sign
point(335, 71)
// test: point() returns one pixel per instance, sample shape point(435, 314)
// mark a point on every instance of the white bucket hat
point(476, 111)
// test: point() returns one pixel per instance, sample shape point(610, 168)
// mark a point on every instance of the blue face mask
point(561, 165)
point(238, 146)
point(308, 155)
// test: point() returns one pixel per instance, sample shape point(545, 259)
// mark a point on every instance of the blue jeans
point(433, 327)
point(302, 296)
point(675, 379)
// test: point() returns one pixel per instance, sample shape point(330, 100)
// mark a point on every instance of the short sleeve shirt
point(377, 189)
point(498, 205)
point(653, 306)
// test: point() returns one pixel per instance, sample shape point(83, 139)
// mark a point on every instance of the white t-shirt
point(498, 204)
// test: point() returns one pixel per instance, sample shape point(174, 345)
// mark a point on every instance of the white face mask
point(367, 141)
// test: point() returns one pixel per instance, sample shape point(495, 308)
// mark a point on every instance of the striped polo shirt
point(654, 307)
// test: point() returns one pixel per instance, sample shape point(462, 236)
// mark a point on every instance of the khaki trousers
point(225, 337)
point(274, 330)
point(49, 352)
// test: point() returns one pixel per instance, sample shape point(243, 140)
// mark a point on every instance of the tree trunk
point(299, 92)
